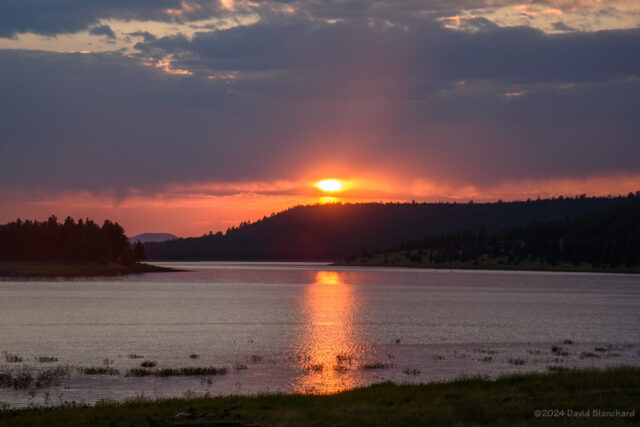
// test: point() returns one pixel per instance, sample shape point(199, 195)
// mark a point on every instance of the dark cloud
point(104, 121)
point(416, 58)
point(102, 30)
point(380, 89)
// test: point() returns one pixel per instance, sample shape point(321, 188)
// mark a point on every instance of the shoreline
point(522, 399)
point(59, 269)
point(490, 267)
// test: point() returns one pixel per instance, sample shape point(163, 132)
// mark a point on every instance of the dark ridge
point(337, 231)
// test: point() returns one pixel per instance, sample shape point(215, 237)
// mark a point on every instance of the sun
point(329, 185)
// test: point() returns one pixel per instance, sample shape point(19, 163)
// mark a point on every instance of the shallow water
point(310, 327)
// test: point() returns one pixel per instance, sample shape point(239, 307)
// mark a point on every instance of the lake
point(306, 327)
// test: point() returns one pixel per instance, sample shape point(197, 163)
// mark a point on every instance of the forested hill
point(337, 231)
point(607, 240)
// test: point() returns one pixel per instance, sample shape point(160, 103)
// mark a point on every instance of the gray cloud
point(102, 30)
point(103, 121)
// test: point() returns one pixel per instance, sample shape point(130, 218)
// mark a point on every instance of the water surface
point(310, 327)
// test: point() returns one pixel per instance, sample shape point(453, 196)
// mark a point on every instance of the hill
point(606, 240)
point(152, 237)
point(337, 231)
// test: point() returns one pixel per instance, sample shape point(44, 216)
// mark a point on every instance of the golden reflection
point(328, 353)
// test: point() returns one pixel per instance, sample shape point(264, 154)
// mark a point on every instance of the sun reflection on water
point(328, 353)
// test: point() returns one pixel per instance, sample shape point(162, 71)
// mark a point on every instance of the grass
point(149, 364)
point(507, 401)
point(62, 269)
point(46, 359)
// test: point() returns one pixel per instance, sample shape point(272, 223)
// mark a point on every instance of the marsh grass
point(149, 364)
point(559, 351)
point(171, 372)
point(516, 361)
point(46, 359)
point(18, 380)
point(376, 365)
point(411, 372)
point(11, 358)
point(194, 356)
point(240, 367)
point(99, 370)
point(135, 356)
point(318, 367)
point(589, 355)
point(256, 359)
point(52, 376)
point(507, 401)
point(344, 358)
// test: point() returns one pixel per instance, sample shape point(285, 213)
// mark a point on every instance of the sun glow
point(329, 185)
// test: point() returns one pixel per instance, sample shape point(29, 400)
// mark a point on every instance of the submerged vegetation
point(509, 400)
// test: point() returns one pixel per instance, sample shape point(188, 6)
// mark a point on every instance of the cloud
point(102, 30)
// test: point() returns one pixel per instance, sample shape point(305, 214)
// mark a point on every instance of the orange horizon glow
point(194, 209)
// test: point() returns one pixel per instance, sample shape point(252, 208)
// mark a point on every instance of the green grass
point(508, 401)
point(61, 269)
point(400, 259)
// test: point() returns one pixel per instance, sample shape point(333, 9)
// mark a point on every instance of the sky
point(190, 116)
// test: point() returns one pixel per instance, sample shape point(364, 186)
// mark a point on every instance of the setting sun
point(329, 185)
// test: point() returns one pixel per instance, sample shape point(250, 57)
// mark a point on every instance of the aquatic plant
point(377, 365)
point(567, 342)
point(11, 358)
point(588, 354)
point(52, 376)
point(100, 370)
point(46, 359)
point(135, 356)
point(240, 367)
point(20, 380)
point(343, 357)
point(559, 351)
point(411, 371)
point(149, 364)
point(318, 367)
point(486, 359)
point(193, 356)
point(170, 372)
point(516, 361)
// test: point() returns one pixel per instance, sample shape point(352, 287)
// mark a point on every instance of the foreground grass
point(61, 269)
point(400, 259)
point(510, 400)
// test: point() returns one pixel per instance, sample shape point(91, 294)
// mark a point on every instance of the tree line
point(79, 241)
point(335, 231)
point(606, 239)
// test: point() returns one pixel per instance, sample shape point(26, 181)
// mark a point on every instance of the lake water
point(309, 327)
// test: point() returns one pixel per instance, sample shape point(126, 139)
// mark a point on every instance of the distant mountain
point(337, 231)
point(152, 237)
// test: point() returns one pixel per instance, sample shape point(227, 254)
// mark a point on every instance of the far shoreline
point(24, 269)
point(505, 267)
